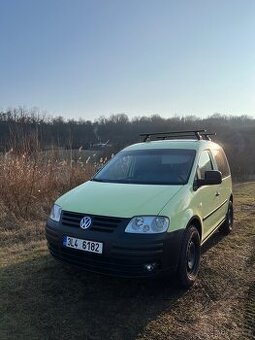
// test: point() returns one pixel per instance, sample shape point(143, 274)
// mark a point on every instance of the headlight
point(55, 213)
point(147, 225)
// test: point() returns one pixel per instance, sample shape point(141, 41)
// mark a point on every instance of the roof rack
point(198, 134)
point(206, 135)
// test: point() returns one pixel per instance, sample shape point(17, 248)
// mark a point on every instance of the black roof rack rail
point(206, 135)
point(199, 134)
point(175, 136)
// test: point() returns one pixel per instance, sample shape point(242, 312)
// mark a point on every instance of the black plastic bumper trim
point(123, 254)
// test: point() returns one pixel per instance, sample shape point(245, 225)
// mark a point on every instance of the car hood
point(118, 200)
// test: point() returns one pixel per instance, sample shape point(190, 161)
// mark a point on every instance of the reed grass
point(29, 183)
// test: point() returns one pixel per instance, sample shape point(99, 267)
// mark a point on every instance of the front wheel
point(190, 257)
point(227, 226)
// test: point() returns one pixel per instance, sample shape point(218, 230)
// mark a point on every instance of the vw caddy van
point(148, 211)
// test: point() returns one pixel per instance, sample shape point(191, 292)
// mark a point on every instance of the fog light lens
point(150, 267)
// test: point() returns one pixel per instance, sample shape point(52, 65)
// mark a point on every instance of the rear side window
point(221, 161)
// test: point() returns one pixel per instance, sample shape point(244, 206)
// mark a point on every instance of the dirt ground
point(44, 299)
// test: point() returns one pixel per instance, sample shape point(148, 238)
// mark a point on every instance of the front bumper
point(124, 254)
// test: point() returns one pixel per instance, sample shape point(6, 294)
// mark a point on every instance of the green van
point(148, 211)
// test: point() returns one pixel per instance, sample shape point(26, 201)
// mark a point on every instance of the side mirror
point(211, 177)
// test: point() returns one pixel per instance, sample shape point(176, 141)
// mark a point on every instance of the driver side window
point(204, 164)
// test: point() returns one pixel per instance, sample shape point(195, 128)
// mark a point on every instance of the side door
point(225, 188)
point(207, 196)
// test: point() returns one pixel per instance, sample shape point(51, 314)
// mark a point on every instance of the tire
point(227, 226)
point(189, 258)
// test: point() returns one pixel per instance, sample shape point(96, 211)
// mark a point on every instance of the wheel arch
point(196, 222)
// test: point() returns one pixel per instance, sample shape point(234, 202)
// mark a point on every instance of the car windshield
point(156, 166)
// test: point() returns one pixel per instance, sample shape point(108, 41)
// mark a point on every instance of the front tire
point(190, 257)
point(227, 226)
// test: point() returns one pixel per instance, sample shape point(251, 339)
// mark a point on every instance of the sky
point(91, 58)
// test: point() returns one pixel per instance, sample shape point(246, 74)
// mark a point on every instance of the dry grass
point(29, 184)
point(42, 299)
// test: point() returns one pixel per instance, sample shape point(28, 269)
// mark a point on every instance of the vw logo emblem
point(85, 222)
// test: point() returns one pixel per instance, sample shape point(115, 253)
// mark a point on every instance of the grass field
point(44, 299)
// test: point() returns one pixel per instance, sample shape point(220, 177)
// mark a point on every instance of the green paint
point(178, 202)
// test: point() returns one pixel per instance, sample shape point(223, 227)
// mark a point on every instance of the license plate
point(85, 245)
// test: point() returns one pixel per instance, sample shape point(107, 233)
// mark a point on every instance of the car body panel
point(118, 200)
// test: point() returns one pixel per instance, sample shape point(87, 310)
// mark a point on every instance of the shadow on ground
point(213, 241)
point(45, 299)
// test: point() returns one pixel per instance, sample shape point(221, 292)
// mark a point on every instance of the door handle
point(217, 194)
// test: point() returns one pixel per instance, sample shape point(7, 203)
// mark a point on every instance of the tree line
point(27, 131)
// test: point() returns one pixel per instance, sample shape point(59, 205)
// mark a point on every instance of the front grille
point(99, 223)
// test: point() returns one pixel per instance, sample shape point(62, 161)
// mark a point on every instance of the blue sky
point(87, 58)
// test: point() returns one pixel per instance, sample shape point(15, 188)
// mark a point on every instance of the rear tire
point(227, 226)
point(190, 257)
